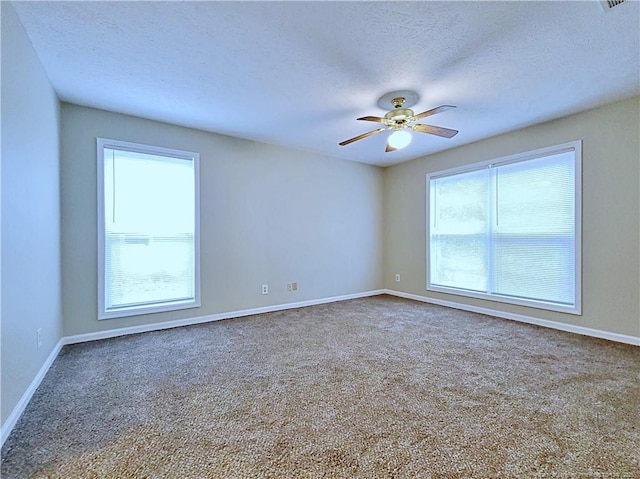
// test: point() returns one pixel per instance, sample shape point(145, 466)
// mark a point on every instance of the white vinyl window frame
point(103, 312)
point(576, 147)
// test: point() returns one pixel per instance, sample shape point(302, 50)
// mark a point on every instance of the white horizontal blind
point(150, 231)
point(507, 230)
point(460, 229)
point(534, 232)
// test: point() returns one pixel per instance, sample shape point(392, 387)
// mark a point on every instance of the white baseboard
point(112, 333)
point(571, 328)
point(11, 421)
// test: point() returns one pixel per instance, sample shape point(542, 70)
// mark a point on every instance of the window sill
point(148, 309)
point(548, 306)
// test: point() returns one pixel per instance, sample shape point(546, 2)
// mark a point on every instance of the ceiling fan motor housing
point(399, 117)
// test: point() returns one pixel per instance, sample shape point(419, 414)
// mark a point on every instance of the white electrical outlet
point(265, 289)
point(397, 277)
point(289, 287)
point(39, 337)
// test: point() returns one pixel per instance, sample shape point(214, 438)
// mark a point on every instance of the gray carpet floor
point(377, 387)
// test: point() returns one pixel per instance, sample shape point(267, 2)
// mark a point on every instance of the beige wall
point(30, 288)
point(611, 214)
point(268, 215)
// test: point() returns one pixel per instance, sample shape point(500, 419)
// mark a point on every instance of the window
point(509, 229)
point(148, 229)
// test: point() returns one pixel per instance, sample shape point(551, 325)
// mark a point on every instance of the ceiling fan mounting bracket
point(398, 102)
point(410, 99)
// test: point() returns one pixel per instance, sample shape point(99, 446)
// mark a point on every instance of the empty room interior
point(320, 239)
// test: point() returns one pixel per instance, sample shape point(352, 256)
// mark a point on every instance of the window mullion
point(492, 198)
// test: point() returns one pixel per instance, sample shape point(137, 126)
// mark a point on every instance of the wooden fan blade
point(360, 137)
point(389, 148)
point(435, 130)
point(427, 113)
point(372, 118)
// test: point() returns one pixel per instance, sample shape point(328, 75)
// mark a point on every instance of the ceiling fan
point(402, 119)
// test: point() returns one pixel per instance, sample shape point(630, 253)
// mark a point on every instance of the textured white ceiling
point(299, 73)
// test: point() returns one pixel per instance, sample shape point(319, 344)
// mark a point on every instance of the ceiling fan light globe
point(399, 139)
